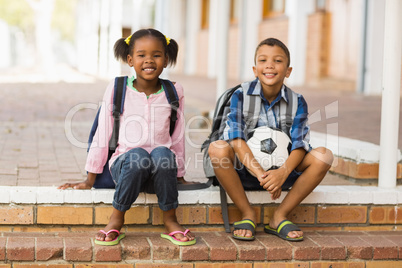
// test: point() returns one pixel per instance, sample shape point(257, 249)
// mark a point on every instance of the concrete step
point(213, 249)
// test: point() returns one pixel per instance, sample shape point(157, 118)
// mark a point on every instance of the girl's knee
point(163, 158)
point(138, 159)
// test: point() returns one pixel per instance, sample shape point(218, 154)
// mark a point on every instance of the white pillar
point(103, 38)
point(162, 15)
point(5, 45)
point(391, 94)
point(222, 45)
point(298, 12)
point(193, 23)
point(375, 48)
point(115, 33)
point(213, 36)
point(251, 16)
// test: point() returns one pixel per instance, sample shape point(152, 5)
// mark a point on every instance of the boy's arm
point(245, 156)
point(273, 180)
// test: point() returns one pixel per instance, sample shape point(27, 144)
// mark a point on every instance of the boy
point(303, 170)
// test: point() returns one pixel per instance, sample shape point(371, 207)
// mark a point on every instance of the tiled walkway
point(40, 147)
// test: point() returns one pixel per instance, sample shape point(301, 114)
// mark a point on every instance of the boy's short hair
point(273, 42)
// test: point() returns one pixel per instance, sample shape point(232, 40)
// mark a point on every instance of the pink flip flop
point(114, 241)
point(176, 241)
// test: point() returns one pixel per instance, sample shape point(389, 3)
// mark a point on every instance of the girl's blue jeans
point(139, 171)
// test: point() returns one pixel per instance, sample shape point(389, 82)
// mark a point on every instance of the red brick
point(215, 214)
point(277, 249)
point(382, 248)
point(397, 240)
point(331, 249)
point(224, 265)
point(107, 254)
point(306, 250)
point(342, 214)
point(356, 247)
point(220, 246)
point(90, 265)
point(78, 249)
point(282, 265)
point(3, 241)
point(42, 266)
point(16, 215)
point(250, 250)
point(49, 248)
point(21, 249)
point(136, 247)
point(160, 265)
point(348, 264)
point(163, 249)
point(197, 252)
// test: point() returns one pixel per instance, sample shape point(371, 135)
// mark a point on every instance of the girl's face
point(271, 66)
point(148, 58)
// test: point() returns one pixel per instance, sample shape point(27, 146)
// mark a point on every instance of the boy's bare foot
point(171, 225)
point(274, 222)
point(116, 222)
point(243, 232)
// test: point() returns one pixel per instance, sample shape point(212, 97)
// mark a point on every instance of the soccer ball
point(270, 147)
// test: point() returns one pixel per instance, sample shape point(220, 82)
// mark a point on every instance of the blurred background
point(56, 59)
point(338, 42)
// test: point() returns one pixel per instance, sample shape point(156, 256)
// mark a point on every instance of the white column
point(297, 37)
point(5, 45)
point(391, 94)
point(251, 16)
point(375, 48)
point(213, 36)
point(103, 38)
point(115, 33)
point(222, 45)
point(162, 15)
point(193, 25)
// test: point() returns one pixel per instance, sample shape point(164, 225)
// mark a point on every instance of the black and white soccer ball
point(270, 147)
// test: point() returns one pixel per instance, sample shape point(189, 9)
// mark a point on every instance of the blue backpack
point(104, 180)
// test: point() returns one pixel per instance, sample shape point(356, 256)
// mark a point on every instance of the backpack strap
point(251, 105)
point(287, 111)
point(120, 84)
point(173, 99)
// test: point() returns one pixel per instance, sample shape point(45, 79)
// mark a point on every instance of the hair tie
point(167, 40)
point(127, 40)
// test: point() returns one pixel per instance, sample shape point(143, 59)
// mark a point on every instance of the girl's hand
point(77, 185)
point(87, 184)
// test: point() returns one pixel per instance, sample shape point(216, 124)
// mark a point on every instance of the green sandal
point(244, 225)
point(284, 228)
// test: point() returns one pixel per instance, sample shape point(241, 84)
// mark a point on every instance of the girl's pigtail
point(172, 50)
point(121, 50)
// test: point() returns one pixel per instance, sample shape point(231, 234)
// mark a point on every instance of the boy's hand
point(272, 180)
point(276, 194)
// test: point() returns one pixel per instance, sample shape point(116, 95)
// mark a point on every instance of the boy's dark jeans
point(139, 171)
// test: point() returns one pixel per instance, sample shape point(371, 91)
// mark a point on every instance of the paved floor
point(44, 125)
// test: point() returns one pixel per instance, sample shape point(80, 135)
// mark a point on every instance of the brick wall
point(317, 46)
point(276, 27)
point(34, 218)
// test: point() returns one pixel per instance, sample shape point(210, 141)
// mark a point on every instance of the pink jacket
point(144, 123)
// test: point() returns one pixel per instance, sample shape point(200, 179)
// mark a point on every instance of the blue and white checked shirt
point(269, 116)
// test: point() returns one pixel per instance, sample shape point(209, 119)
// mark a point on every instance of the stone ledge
point(346, 194)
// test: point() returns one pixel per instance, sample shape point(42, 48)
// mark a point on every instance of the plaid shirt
point(269, 116)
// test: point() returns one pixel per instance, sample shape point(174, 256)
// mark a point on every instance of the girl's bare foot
point(116, 222)
point(171, 225)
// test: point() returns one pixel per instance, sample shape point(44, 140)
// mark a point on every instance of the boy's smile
point(271, 68)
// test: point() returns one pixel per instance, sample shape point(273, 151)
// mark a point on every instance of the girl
point(147, 157)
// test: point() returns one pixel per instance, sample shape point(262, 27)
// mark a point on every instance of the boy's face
point(271, 66)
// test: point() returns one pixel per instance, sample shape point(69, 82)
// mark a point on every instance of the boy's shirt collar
point(257, 90)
